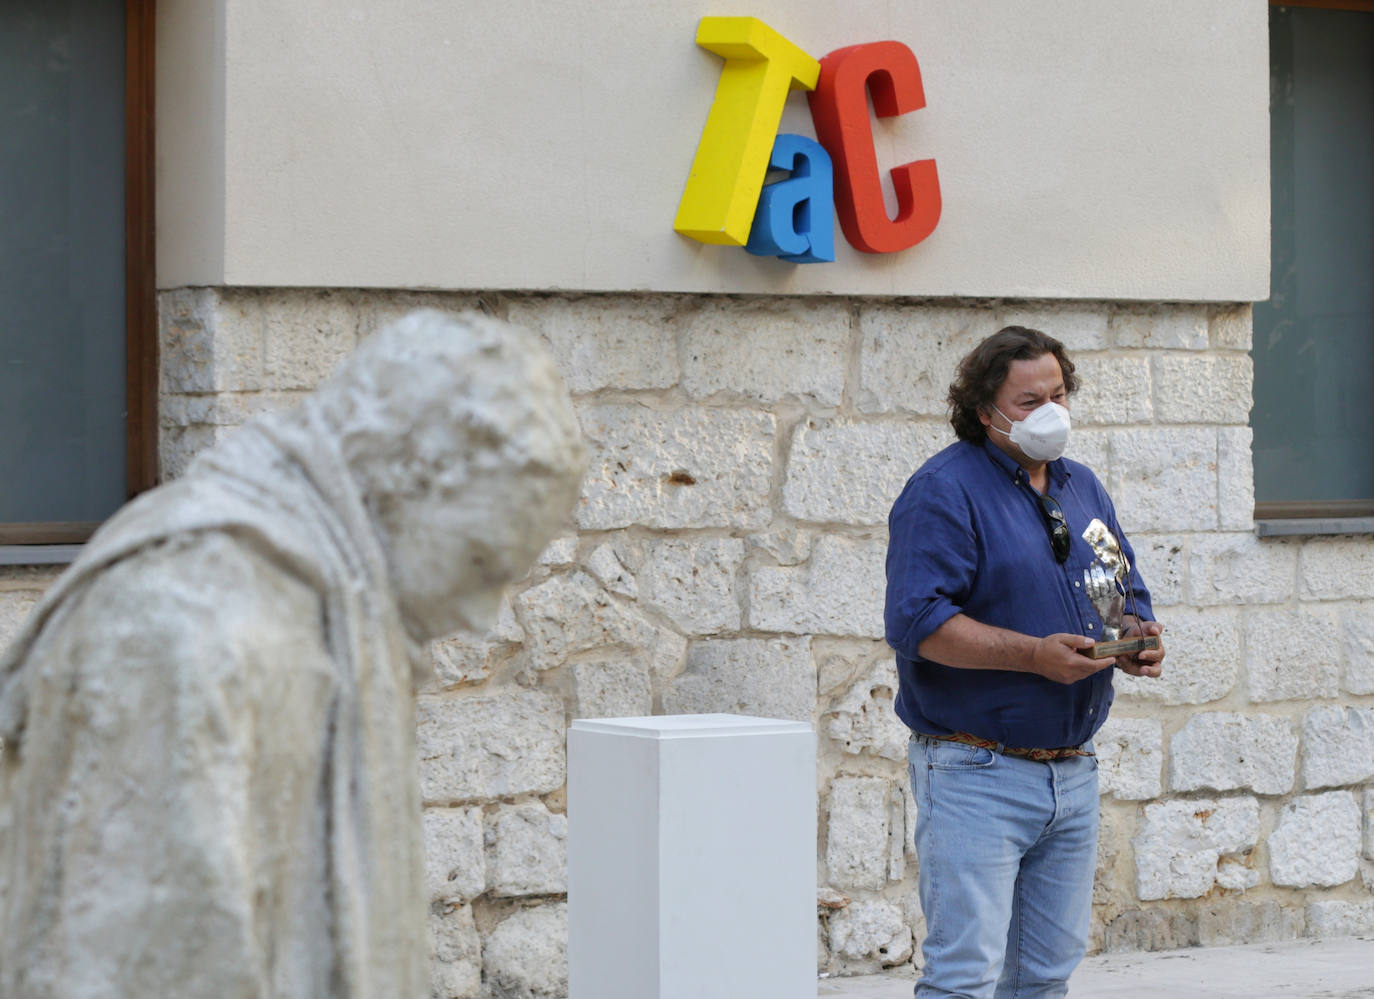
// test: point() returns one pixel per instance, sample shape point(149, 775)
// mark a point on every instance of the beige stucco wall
point(191, 145)
point(1100, 149)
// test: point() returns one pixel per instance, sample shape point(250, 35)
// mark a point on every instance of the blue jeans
point(1007, 850)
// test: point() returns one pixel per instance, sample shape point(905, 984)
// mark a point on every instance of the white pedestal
point(691, 858)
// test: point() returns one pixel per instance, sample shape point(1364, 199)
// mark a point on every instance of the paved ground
point(1304, 969)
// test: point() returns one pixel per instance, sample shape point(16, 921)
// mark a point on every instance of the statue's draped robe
point(209, 727)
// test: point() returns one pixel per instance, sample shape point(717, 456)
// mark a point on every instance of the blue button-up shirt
point(967, 536)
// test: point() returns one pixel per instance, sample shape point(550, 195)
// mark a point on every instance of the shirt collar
point(1058, 469)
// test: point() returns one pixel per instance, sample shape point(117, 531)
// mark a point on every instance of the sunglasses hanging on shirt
point(1060, 539)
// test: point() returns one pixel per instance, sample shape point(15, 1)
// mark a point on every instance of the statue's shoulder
point(198, 590)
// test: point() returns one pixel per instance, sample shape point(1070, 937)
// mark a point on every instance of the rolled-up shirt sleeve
point(930, 561)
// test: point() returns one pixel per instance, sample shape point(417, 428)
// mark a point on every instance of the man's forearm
point(964, 643)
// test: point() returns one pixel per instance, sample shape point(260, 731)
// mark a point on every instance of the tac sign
point(726, 200)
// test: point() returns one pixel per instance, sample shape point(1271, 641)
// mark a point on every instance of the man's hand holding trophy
point(1107, 583)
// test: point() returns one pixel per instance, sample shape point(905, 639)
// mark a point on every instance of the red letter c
point(839, 107)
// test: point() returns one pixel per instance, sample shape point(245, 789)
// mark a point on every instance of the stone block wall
point(727, 555)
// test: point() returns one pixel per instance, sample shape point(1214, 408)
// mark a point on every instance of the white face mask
point(1043, 435)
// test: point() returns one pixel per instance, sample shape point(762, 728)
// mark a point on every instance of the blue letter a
point(795, 219)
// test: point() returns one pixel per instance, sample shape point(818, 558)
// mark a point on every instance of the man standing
point(988, 614)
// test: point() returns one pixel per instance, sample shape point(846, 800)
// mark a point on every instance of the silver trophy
point(1107, 583)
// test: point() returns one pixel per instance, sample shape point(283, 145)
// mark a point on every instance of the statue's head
point(462, 441)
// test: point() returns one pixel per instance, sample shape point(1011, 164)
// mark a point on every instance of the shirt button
point(1075, 584)
point(1090, 627)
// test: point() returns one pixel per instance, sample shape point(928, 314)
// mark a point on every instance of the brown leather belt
point(1038, 755)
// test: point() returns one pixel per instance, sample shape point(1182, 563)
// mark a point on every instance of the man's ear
point(984, 416)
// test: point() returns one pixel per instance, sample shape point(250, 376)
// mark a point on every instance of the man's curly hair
point(982, 372)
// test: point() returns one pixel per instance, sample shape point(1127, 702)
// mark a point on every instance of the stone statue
point(209, 784)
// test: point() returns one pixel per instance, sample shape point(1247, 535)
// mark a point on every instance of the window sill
point(38, 554)
point(1291, 526)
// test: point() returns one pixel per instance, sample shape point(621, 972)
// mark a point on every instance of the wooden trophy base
point(1122, 647)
